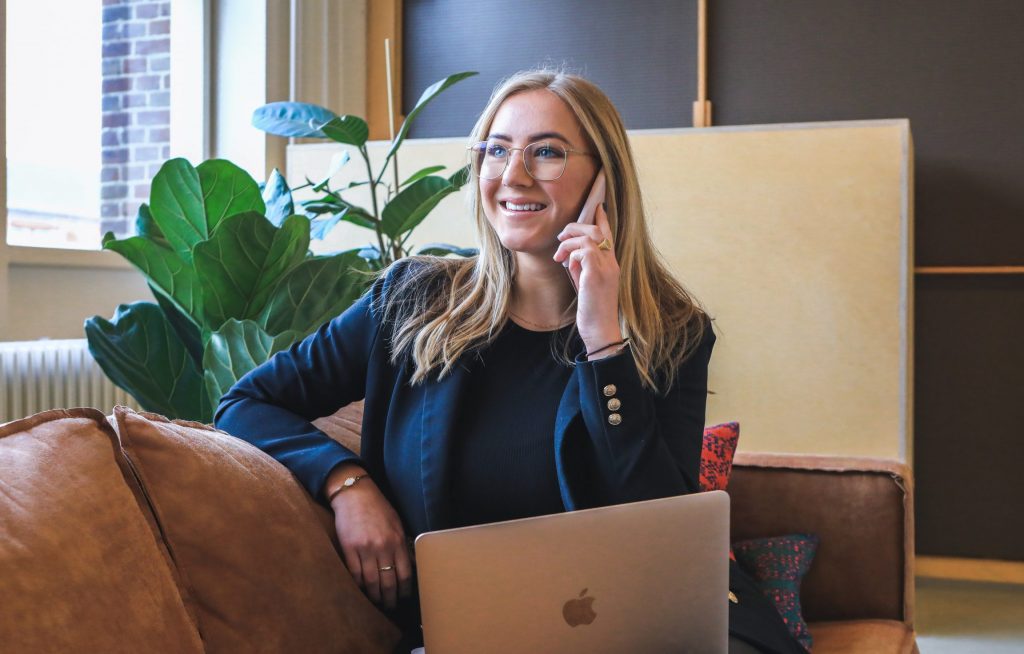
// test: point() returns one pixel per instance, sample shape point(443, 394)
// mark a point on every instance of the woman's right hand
point(371, 537)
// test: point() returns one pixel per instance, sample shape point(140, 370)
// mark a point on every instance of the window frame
point(190, 96)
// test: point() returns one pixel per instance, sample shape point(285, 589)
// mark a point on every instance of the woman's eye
point(545, 152)
point(495, 151)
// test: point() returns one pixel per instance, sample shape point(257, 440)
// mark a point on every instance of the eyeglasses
point(544, 160)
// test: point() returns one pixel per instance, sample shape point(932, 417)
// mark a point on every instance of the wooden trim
point(969, 270)
point(990, 570)
point(702, 107)
point(384, 20)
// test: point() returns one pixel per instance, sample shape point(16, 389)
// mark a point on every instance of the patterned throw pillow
point(778, 565)
point(717, 454)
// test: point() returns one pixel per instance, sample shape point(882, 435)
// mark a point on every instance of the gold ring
point(386, 568)
point(604, 245)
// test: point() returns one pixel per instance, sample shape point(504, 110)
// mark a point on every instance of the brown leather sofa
point(859, 593)
point(134, 533)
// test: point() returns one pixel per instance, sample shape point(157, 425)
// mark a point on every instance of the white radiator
point(40, 375)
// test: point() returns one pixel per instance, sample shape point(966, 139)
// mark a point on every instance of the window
point(88, 115)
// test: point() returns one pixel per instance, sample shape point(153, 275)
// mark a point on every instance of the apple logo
point(578, 611)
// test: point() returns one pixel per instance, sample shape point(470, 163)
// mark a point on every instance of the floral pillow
point(779, 564)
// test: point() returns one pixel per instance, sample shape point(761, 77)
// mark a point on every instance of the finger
point(580, 229)
point(372, 577)
point(566, 248)
point(602, 223)
point(389, 584)
point(403, 565)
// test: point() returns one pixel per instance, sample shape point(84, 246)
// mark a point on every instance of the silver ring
point(386, 568)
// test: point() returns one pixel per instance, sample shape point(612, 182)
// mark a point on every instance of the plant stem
point(373, 197)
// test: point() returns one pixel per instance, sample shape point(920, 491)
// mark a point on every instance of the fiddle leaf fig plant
point(228, 261)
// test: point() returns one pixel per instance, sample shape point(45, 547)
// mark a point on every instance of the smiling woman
point(500, 371)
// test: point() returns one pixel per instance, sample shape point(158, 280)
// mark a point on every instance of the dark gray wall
point(955, 69)
point(621, 46)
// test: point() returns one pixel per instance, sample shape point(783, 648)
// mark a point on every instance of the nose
point(515, 173)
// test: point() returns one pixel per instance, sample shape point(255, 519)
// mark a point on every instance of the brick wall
point(136, 106)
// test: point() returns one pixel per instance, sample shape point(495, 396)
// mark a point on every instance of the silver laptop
point(643, 577)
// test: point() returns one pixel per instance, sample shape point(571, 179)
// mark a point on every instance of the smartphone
point(596, 197)
point(589, 214)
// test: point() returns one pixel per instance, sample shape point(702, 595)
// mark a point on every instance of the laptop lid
point(642, 577)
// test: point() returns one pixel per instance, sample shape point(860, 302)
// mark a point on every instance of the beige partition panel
point(797, 238)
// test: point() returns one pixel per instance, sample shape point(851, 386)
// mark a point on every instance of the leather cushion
point(248, 541)
point(857, 636)
point(82, 568)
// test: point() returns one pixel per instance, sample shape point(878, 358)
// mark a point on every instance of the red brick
point(116, 84)
point(135, 100)
point(166, 82)
point(154, 118)
point(137, 135)
point(110, 210)
point(161, 135)
point(160, 27)
point(111, 66)
point(111, 14)
point(147, 82)
point(110, 137)
point(115, 119)
point(110, 174)
point(115, 155)
point(147, 153)
point(153, 46)
point(160, 99)
point(159, 63)
point(111, 102)
point(113, 191)
point(135, 65)
point(116, 49)
point(165, 152)
point(147, 11)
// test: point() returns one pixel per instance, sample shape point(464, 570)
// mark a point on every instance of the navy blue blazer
point(407, 430)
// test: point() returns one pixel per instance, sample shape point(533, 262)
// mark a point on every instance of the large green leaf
point(165, 269)
point(315, 291)
point(235, 349)
point(183, 326)
point(242, 263)
point(292, 119)
point(338, 162)
point(146, 228)
point(227, 190)
point(408, 209)
point(176, 204)
point(429, 94)
point(422, 172)
point(140, 352)
point(278, 198)
point(350, 130)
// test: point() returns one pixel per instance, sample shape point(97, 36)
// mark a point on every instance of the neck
point(541, 291)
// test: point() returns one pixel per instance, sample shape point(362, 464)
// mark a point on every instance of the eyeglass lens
point(544, 161)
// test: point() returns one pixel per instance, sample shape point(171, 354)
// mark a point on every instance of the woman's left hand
point(595, 273)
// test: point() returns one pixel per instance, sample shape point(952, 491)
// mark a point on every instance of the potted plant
point(229, 264)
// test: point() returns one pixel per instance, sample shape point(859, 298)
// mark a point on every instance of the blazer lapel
point(441, 403)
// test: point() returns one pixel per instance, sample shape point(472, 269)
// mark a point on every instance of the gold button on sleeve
point(614, 404)
point(610, 390)
point(614, 419)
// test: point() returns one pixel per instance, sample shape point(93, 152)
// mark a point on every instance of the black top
point(503, 459)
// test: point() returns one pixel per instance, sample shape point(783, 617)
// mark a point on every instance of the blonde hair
point(445, 308)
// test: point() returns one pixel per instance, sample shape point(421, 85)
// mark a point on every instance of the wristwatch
point(348, 483)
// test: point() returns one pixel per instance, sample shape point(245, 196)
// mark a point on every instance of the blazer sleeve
point(273, 405)
point(644, 445)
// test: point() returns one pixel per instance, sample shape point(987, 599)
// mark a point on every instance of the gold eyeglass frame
point(471, 149)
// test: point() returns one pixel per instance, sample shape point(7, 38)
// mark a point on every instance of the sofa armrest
point(862, 511)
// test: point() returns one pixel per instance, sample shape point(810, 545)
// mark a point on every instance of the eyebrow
point(533, 137)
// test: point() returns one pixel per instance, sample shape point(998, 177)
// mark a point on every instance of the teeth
point(524, 207)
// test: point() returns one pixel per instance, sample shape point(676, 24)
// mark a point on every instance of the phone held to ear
point(589, 214)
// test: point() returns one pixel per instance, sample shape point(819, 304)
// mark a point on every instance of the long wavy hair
point(443, 308)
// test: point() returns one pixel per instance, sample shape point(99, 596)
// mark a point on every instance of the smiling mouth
point(529, 207)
